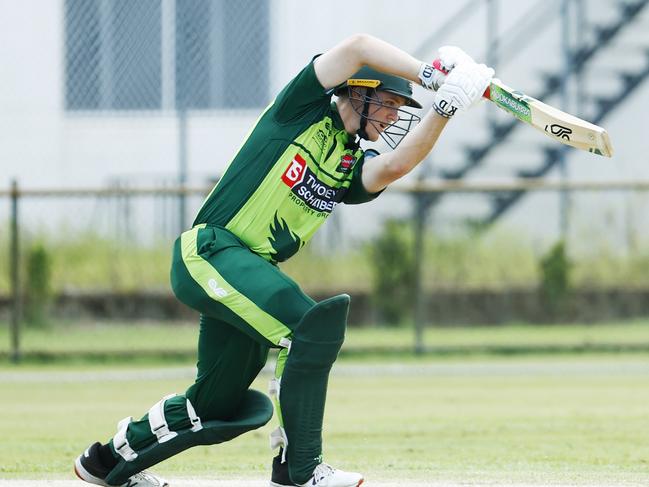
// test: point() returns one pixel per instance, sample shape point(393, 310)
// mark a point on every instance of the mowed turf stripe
point(513, 368)
point(264, 483)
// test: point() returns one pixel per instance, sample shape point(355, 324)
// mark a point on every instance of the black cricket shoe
point(89, 468)
point(279, 477)
point(323, 476)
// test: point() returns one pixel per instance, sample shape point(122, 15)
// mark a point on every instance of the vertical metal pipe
point(422, 202)
point(182, 94)
point(566, 55)
point(168, 54)
point(106, 96)
point(170, 101)
point(580, 41)
point(419, 314)
point(182, 167)
point(14, 257)
point(492, 46)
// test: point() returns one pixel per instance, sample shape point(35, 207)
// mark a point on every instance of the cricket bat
point(554, 123)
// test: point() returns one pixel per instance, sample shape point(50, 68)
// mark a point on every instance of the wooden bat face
point(554, 123)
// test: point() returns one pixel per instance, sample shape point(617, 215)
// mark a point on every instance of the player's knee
point(320, 334)
point(325, 321)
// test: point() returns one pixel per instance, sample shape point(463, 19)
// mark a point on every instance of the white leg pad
point(158, 423)
point(193, 417)
point(120, 443)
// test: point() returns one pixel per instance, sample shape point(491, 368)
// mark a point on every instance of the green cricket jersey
point(296, 164)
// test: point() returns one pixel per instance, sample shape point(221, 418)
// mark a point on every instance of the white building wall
point(43, 146)
point(31, 122)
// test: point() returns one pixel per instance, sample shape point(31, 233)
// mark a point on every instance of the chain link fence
point(166, 54)
point(145, 71)
point(147, 75)
point(99, 268)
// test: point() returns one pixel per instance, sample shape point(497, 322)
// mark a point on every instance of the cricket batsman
point(301, 159)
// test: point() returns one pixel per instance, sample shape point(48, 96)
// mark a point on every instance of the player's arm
point(462, 89)
point(347, 57)
point(385, 168)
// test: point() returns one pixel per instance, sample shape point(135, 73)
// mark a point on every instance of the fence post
point(14, 257)
point(182, 169)
point(421, 210)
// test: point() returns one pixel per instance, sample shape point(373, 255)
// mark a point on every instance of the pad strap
point(193, 417)
point(158, 423)
point(285, 343)
point(120, 443)
point(273, 388)
point(278, 439)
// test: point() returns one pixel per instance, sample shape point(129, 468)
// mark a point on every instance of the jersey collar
point(335, 117)
point(347, 140)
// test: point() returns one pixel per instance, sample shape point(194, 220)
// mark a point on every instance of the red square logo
point(294, 173)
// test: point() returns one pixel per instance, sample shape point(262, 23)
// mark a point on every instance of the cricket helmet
point(367, 77)
point(362, 87)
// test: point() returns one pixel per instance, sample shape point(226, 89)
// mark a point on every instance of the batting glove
point(450, 56)
point(462, 88)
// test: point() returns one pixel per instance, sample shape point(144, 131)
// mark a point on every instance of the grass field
point(481, 415)
point(574, 420)
point(177, 341)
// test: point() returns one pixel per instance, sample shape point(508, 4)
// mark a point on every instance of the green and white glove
point(449, 56)
point(462, 88)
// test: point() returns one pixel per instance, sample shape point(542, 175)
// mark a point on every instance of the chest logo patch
point(295, 171)
point(308, 191)
point(346, 165)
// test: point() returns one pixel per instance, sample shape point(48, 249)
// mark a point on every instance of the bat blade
point(554, 123)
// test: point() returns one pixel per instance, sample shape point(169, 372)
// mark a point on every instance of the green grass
point(180, 338)
point(516, 427)
point(503, 258)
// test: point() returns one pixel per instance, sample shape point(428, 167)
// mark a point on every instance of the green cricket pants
point(247, 306)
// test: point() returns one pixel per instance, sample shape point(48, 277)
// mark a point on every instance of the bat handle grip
point(437, 64)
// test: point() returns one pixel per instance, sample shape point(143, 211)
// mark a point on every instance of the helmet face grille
point(394, 133)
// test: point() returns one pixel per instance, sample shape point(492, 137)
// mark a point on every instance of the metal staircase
point(501, 131)
point(629, 81)
point(602, 36)
point(501, 202)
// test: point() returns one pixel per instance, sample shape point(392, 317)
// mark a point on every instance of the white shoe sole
point(355, 484)
point(273, 484)
point(86, 476)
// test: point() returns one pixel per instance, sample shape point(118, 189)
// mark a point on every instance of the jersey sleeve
point(357, 193)
point(302, 96)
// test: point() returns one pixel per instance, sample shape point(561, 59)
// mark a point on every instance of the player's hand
point(462, 88)
point(449, 56)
